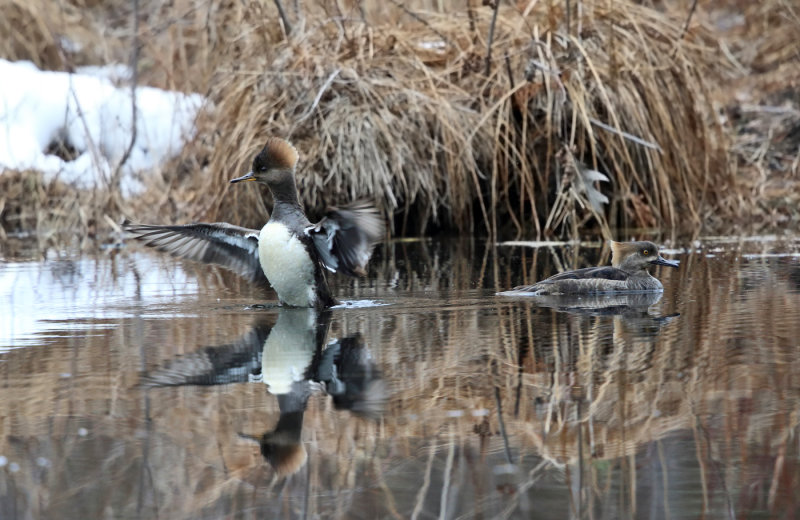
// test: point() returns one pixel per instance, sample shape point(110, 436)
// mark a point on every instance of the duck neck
point(284, 193)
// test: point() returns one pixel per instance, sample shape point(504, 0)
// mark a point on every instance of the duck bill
point(246, 177)
point(663, 261)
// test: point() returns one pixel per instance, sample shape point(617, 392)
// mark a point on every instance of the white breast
point(287, 265)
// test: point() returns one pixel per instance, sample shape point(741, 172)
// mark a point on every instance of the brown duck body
point(628, 273)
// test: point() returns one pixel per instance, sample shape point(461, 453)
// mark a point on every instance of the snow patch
point(93, 117)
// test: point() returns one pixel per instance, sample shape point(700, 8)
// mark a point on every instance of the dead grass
point(394, 101)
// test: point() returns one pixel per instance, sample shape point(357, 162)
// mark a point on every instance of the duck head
point(637, 256)
point(274, 164)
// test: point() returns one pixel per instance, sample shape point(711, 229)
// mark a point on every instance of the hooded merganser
point(627, 272)
point(294, 358)
point(289, 250)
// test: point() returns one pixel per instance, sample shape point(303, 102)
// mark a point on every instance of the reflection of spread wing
point(344, 238)
point(217, 365)
point(352, 377)
point(232, 247)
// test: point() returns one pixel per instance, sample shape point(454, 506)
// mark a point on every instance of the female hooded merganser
point(289, 250)
point(627, 272)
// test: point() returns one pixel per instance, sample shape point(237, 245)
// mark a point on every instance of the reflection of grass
point(720, 377)
point(398, 107)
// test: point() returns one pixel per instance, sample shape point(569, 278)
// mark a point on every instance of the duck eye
point(645, 252)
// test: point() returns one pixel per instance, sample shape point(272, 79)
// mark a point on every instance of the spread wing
point(345, 237)
point(232, 247)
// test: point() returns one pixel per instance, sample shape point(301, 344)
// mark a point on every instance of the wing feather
point(345, 237)
point(232, 247)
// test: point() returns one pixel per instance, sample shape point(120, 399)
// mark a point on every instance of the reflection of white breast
point(287, 264)
point(289, 349)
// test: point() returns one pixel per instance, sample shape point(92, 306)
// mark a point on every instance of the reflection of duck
point(292, 359)
point(289, 250)
point(600, 304)
point(627, 272)
point(632, 308)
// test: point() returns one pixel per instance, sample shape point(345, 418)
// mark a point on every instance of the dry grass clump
point(763, 107)
point(409, 116)
point(604, 116)
point(53, 210)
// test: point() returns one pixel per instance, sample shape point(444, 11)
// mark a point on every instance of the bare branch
point(134, 81)
point(491, 37)
point(287, 26)
point(688, 20)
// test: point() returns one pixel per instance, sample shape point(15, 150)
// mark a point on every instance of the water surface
point(137, 386)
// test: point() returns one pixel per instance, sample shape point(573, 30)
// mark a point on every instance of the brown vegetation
point(579, 395)
point(399, 102)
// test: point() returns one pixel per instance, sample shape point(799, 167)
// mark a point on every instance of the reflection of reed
point(620, 413)
point(618, 385)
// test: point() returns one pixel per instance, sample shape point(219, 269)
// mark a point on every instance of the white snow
point(92, 114)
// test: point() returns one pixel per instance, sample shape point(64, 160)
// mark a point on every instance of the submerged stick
point(502, 425)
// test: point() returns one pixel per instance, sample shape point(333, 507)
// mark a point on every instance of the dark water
point(134, 386)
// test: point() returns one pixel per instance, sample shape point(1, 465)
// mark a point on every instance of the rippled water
point(136, 386)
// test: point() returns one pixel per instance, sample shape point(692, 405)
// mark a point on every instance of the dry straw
point(584, 120)
point(408, 115)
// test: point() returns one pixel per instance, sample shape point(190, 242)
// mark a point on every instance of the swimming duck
point(627, 272)
point(289, 251)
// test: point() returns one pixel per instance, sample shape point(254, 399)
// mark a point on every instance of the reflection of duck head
point(282, 446)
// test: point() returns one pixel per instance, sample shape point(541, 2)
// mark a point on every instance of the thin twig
point(688, 20)
point(317, 99)
point(491, 37)
point(421, 20)
point(509, 71)
point(134, 82)
point(471, 17)
point(287, 26)
point(626, 135)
